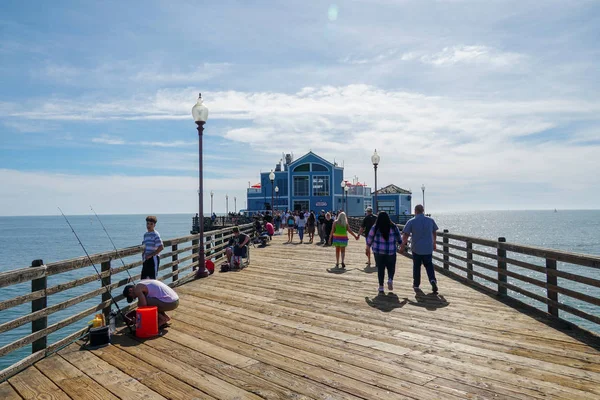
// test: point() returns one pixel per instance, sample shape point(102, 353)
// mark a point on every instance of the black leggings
point(383, 261)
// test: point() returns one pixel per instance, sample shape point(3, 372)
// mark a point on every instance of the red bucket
point(146, 322)
point(210, 266)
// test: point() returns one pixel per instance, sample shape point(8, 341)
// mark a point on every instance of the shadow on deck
point(293, 326)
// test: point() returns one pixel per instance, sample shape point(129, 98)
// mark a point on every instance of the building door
point(301, 205)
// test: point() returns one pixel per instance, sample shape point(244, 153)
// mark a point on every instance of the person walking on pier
point(384, 237)
point(365, 228)
point(423, 230)
point(291, 224)
point(310, 226)
point(153, 245)
point(321, 227)
point(301, 224)
point(339, 237)
point(328, 226)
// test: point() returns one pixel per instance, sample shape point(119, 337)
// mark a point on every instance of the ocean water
point(49, 238)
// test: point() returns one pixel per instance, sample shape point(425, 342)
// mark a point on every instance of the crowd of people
point(383, 239)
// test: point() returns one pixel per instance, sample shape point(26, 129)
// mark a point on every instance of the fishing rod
point(113, 243)
point(98, 273)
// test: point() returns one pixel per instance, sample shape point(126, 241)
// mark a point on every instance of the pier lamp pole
point(227, 205)
point(423, 190)
point(343, 191)
point(200, 114)
point(272, 179)
point(234, 205)
point(346, 188)
point(375, 161)
point(277, 194)
point(211, 203)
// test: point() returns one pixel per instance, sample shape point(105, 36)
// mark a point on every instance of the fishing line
point(96, 269)
point(113, 243)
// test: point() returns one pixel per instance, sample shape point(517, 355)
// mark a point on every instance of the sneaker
point(434, 287)
point(390, 285)
point(380, 290)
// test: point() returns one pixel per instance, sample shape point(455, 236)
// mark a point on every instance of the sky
point(492, 105)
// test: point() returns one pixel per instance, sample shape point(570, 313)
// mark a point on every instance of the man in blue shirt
point(423, 230)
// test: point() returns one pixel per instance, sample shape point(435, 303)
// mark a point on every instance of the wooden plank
point(15, 276)
point(154, 378)
point(359, 378)
point(32, 384)
point(8, 393)
point(192, 366)
point(111, 378)
point(71, 380)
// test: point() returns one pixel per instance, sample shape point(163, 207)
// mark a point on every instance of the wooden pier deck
point(292, 327)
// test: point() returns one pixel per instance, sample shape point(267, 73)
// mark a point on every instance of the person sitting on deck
point(237, 247)
point(151, 292)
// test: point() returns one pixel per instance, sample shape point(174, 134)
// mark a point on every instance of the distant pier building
point(311, 182)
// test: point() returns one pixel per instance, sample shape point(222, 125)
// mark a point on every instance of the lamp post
point(375, 161)
point(343, 191)
point(277, 194)
point(346, 188)
point(272, 179)
point(226, 205)
point(200, 115)
point(234, 205)
point(211, 203)
point(423, 190)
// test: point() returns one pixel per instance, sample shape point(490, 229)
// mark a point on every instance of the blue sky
point(491, 104)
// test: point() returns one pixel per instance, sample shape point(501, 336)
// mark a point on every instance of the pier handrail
point(467, 259)
point(180, 268)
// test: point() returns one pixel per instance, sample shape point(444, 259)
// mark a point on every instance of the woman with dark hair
point(383, 239)
point(310, 226)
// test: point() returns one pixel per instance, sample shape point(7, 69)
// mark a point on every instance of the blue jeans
point(383, 261)
point(426, 260)
point(301, 232)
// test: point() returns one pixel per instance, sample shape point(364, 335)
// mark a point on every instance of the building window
point(301, 205)
point(320, 185)
point(319, 168)
point(301, 185)
point(302, 168)
point(282, 185)
point(389, 206)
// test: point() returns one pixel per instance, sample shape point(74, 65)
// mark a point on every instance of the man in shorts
point(365, 228)
point(153, 245)
point(151, 292)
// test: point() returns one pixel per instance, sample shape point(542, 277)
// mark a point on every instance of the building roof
point(310, 153)
point(393, 189)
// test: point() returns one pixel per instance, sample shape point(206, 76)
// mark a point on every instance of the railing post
point(175, 263)
point(470, 259)
point(446, 250)
point(37, 305)
point(551, 280)
point(105, 266)
point(195, 242)
point(502, 278)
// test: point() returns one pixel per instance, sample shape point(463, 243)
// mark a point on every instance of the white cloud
point(479, 55)
point(106, 139)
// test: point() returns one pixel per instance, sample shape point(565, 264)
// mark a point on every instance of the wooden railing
point(183, 260)
point(553, 281)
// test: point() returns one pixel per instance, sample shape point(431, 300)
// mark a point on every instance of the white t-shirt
point(160, 291)
point(300, 222)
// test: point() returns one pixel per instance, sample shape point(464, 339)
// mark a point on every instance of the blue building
point(308, 183)
point(395, 201)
